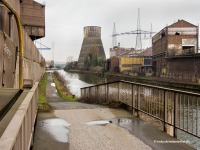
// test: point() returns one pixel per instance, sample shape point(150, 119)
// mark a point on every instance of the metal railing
point(176, 109)
point(19, 133)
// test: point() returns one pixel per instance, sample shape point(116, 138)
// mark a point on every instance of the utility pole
point(138, 45)
point(53, 63)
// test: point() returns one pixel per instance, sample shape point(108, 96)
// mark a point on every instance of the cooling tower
point(92, 51)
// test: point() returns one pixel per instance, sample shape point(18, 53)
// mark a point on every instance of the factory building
point(175, 51)
point(129, 61)
point(92, 52)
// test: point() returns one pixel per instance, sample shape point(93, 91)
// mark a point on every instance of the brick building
point(175, 52)
point(177, 40)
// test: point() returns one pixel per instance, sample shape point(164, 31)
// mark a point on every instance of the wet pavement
point(51, 134)
point(76, 126)
point(150, 134)
point(147, 133)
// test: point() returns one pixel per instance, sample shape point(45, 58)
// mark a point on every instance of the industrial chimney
point(92, 51)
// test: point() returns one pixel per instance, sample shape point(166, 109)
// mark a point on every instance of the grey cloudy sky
point(65, 20)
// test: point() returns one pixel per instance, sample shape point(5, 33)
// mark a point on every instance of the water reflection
point(56, 128)
point(76, 81)
point(51, 134)
point(99, 122)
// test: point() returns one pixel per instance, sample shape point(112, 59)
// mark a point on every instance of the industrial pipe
point(21, 48)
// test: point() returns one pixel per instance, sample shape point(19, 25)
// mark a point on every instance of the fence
point(182, 77)
point(176, 109)
point(19, 133)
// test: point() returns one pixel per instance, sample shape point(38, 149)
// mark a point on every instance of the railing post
point(97, 92)
point(175, 116)
point(107, 91)
point(165, 109)
point(137, 101)
point(89, 92)
point(119, 91)
point(132, 97)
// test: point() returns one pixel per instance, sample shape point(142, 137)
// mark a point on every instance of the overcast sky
point(65, 20)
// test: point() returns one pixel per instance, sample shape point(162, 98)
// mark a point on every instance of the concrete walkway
point(96, 127)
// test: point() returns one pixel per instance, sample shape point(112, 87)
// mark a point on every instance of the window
point(177, 33)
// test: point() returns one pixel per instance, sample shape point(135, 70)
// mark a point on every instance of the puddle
point(118, 121)
point(55, 128)
point(53, 84)
point(122, 121)
point(99, 122)
point(54, 95)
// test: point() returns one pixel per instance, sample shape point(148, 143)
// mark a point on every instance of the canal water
point(76, 81)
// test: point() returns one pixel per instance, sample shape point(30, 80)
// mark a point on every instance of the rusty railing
point(176, 109)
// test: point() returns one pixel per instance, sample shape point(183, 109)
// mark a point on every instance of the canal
point(75, 81)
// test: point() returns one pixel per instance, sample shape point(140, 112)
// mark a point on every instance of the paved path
point(121, 130)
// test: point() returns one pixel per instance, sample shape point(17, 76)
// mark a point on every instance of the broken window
point(188, 49)
point(177, 33)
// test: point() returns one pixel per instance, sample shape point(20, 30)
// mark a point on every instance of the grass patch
point(42, 101)
point(61, 87)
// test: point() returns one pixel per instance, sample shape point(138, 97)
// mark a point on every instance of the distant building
point(121, 57)
point(114, 64)
point(130, 64)
point(120, 51)
point(146, 69)
point(50, 64)
point(175, 51)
